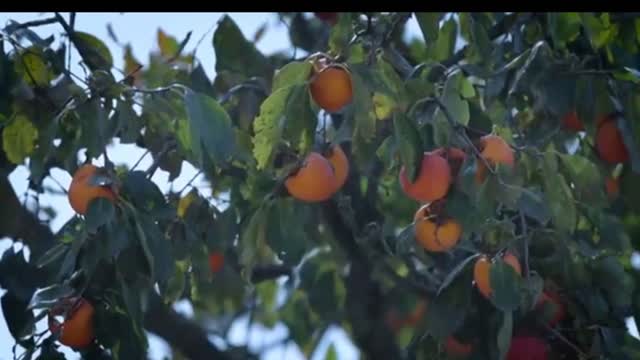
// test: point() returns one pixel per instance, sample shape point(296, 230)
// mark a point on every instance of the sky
point(140, 30)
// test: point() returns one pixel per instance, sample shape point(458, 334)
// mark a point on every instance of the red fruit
point(609, 142)
point(527, 348)
point(571, 122)
point(216, 261)
point(432, 182)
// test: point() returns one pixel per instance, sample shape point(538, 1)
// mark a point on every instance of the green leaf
point(445, 45)
point(53, 254)
point(33, 67)
point(234, 53)
point(364, 113)
point(332, 354)
point(288, 238)
point(253, 241)
point(20, 321)
point(341, 34)
point(93, 123)
point(167, 44)
point(586, 178)
point(429, 23)
point(294, 73)
point(533, 205)
point(211, 128)
point(447, 311)
point(455, 272)
point(599, 30)
point(504, 334)
point(505, 283)
point(49, 296)
point(159, 247)
point(300, 119)
point(409, 144)
point(564, 27)
point(18, 139)
point(268, 127)
point(558, 194)
point(100, 212)
point(93, 51)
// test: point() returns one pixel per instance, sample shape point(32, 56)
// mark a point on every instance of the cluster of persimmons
point(322, 174)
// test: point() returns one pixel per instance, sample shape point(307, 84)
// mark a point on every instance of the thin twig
point(190, 181)
point(140, 159)
point(238, 87)
point(34, 23)
point(58, 183)
point(565, 340)
point(523, 224)
point(168, 146)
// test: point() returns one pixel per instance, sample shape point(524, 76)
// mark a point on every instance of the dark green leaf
point(504, 334)
point(294, 73)
point(447, 311)
point(160, 248)
point(445, 45)
point(236, 54)
point(533, 205)
point(20, 321)
point(93, 51)
point(455, 272)
point(34, 68)
point(341, 33)
point(286, 237)
point(505, 283)
point(564, 27)
point(558, 193)
point(100, 212)
point(144, 194)
point(586, 178)
point(18, 139)
point(409, 144)
point(364, 115)
point(429, 23)
point(49, 296)
point(268, 127)
point(300, 119)
point(16, 275)
point(211, 127)
point(53, 254)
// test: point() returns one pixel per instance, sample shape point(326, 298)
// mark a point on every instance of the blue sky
point(140, 30)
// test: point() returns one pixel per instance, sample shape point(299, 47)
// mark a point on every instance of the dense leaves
point(233, 238)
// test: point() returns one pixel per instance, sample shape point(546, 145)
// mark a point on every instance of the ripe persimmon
point(433, 180)
point(76, 330)
point(340, 164)
point(571, 122)
point(457, 349)
point(495, 151)
point(82, 192)
point(216, 261)
point(527, 347)
point(609, 142)
point(314, 181)
point(331, 87)
point(454, 156)
point(482, 271)
point(436, 233)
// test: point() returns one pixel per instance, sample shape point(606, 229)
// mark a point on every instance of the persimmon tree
point(470, 194)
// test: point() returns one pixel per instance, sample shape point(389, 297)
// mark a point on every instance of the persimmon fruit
point(216, 261)
point(434, 232)
point(314, 181)
point(494, 150)
point(82, 192)
point(77, 329)
point(454, 156)
point(571, 122)
point(609, 143)
point(331, 87)
point(433, 180)
point(340, 164)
